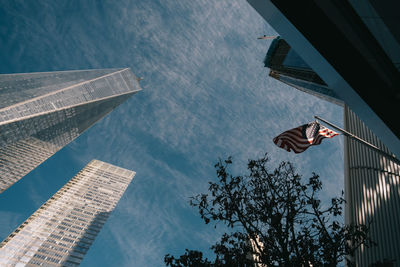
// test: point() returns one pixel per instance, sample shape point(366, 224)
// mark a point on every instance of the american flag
point(302, 137)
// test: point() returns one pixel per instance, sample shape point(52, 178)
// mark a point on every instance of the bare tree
point(281, 213)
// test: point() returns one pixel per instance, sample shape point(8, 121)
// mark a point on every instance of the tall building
point(62, 230)
point(40, 113)
point(372, 193)
point(372, 181)
point(354, 46)
point(288, 67)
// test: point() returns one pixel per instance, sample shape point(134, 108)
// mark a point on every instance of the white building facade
point(372, 193)
point(62, 230)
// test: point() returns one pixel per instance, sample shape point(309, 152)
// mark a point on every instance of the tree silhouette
point(275, 218)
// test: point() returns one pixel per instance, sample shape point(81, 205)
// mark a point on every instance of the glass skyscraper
point(288, 67)
point(372, 181)
point(40, 113)
point(62, 230)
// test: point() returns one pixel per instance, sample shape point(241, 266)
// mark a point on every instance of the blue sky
point(205, 95)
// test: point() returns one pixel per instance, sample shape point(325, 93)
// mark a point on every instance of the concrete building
point(40, 113)
point(62, 230)
point(372, 193)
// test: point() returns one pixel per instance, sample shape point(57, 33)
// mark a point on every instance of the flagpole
point(377, 149)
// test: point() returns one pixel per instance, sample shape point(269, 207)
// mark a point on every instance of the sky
point(206, 95)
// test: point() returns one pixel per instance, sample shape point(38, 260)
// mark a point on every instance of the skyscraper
point(288, 67)
point(40, 113)
point(62, 230)
point(372, 181)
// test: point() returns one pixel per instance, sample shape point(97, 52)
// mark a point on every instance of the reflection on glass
point(62, 230)
point(40, 113)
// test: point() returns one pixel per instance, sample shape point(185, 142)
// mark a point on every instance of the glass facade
point(62, 230)
point(40, 113)
point(288, 67)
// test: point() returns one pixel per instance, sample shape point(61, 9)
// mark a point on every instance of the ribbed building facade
point(62, 230)
point(372, 192)
point(40, 113)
